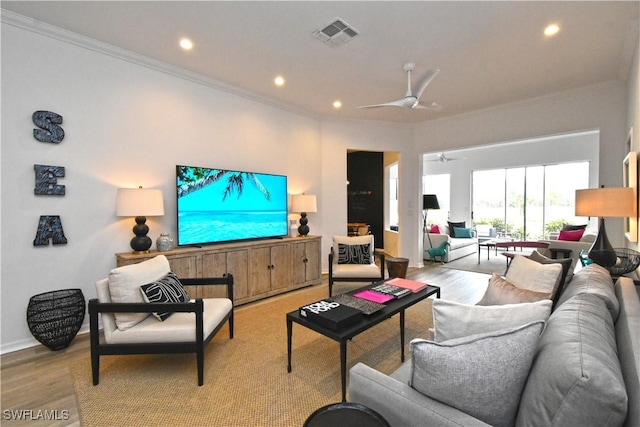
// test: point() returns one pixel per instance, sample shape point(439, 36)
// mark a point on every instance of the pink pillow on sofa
point(571, 235)
point(435, 229)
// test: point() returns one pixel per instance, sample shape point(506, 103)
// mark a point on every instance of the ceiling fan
point(412, 99)
point(442, 158)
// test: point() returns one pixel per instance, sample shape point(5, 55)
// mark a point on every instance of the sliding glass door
point(526, 203)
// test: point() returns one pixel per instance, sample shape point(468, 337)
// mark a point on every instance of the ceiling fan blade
point(402, 103)
point(425, 81)
point(430, 106)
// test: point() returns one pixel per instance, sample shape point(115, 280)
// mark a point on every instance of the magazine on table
point(413, 285)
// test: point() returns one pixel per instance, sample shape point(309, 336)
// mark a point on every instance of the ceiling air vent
point(336, 33)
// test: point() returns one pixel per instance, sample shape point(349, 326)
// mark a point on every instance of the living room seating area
point(461, 239)
point(581, 370)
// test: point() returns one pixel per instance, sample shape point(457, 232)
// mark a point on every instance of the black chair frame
point(332, 280)
point(101, 348)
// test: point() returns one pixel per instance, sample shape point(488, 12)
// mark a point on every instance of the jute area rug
point(246, 381)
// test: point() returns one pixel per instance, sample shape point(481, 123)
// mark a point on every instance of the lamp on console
point(429, 201)
point(139, 202)
point(613, 202)
point(303, 203)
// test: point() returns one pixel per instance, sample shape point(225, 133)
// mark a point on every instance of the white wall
point(126, 125)
point(633, 115)
point(338, 137)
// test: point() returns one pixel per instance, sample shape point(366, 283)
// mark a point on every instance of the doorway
point(365, 191)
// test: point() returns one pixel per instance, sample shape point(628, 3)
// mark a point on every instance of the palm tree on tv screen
point(192, 179)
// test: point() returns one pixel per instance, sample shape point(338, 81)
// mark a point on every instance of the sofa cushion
point(571, 235)
point(481, 375)
point(500, 291)
point(125, 282)
point(463, 233)
point(576, 377)
point(454, 320)
point(569, 227)
point(435, 229)
point(567, 268)
point(354, 254)
point(357, 241)
point(454, 225)
point(180, 327)
point(167, 289)
point(527, 274)
point(593, 279)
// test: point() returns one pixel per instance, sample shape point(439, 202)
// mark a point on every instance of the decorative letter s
point(49, 122)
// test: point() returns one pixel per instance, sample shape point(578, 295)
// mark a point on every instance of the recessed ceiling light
point(186, 44)
point(337, 104)
point(551, 30)
point(279, 81)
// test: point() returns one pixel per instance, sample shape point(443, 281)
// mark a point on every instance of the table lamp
point(429, 201)
point(303, 203)
point(613, 202)
point(139, 202)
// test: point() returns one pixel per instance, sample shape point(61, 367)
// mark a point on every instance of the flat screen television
point(221, 205)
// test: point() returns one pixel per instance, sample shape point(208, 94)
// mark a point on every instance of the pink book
point(373, 296)
point(413, 285)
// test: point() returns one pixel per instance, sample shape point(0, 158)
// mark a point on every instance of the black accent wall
point(365, 197)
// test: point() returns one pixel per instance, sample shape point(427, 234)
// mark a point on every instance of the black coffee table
point(368, 321)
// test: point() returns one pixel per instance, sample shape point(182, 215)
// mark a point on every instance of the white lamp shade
point(139, 202)
point(613, 202)
point(303, 203)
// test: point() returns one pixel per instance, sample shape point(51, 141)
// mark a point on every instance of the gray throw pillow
point(481, 375)
point(454, 320)
point(500, 291)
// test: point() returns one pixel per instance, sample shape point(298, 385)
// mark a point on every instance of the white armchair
point(132, 325)
point(352, 259)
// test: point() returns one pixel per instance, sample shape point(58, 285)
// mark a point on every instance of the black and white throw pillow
point(354, 254)
point(167, 289)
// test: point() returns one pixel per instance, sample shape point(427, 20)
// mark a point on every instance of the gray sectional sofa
point(585, 370)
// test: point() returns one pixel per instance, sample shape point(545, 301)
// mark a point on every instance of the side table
point(397, 267)
point(555, 251)
point(346, 414)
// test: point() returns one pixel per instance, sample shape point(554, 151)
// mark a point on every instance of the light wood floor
point(38, 379)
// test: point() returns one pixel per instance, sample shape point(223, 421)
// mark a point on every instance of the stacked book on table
point(331, 314)
point(391, 289)
point(345, 310)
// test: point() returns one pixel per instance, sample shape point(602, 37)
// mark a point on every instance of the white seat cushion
point(125, 282)
point(356, 270)
point(179, 327)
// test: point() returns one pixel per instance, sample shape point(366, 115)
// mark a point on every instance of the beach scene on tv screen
point(216, 205)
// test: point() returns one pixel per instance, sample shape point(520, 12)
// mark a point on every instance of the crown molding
point(66, 36)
